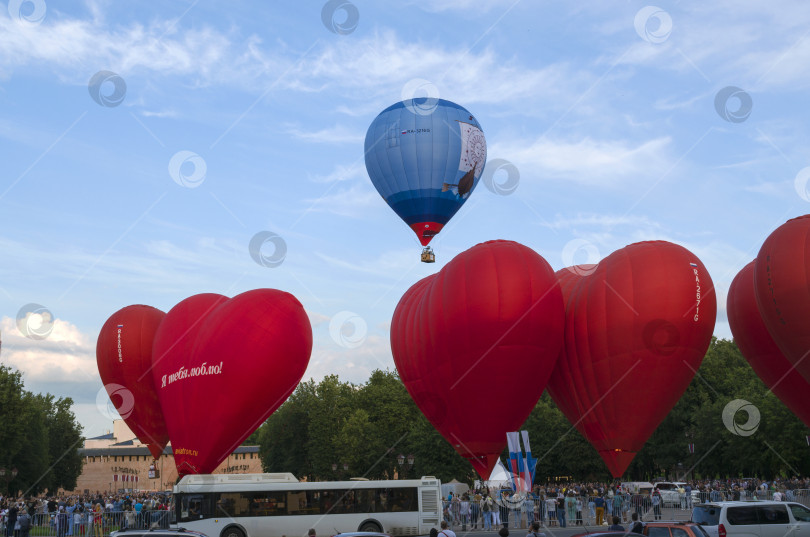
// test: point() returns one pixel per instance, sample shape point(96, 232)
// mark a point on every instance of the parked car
point(609, 534)
point(177, 532)
point(673, 529)
point(669, 491)
point(753, 519)
point(362, 534)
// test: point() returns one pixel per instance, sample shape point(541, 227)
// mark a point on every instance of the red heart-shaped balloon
point(639, 321)
point(124, 358)
point(492, 317)
point(759, 348)
point(221, 367)
point(782, 288)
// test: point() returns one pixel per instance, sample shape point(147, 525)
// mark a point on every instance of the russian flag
point(693, 264)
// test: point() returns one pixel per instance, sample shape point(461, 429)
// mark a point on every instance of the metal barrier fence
point(520, 514)
point(89, 524)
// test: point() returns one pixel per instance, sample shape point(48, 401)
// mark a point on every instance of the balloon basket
point(427, 255)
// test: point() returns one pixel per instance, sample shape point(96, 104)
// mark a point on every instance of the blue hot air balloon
point(424, 157)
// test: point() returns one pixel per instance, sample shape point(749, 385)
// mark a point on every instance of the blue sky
point(607, 111)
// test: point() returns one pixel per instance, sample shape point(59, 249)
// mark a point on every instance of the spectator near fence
point(599, 502)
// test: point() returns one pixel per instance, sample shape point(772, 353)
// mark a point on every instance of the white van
point(638, 487)
point(669, 491)
point(753, 519)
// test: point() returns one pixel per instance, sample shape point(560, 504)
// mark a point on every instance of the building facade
point(118, 462)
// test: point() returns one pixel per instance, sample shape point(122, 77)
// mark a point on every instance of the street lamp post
point(401, 460)
point(7, 476)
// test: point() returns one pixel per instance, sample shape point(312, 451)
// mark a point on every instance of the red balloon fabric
point(222, 366)
point(639, 321)
point(782, 287)
point(492, 318)
point(124, 358)
point(759, 348)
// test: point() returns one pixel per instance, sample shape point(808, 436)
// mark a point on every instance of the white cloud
point(159, 114)
point(379, 65)
point(66, 355)
point(353, 202)
point(339, 134)
point(604, 163)
point(343, 173)
point(317, 319)
point(352, 365)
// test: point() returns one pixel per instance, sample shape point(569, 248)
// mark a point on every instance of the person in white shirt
point(446, 531)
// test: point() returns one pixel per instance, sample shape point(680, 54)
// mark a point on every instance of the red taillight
point(721, 531)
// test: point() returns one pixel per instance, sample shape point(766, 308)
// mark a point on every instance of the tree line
point(336, 430)
point(39, 437)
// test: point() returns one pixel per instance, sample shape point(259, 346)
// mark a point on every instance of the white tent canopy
point(499, 478)
point(455, 487)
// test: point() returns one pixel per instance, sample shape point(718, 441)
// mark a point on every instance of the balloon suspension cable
point(427, 255)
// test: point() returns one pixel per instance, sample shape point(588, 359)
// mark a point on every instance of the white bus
point(276, 505)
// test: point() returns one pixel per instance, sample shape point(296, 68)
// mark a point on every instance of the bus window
point(266, 503)
point(195, 507)
point(233, 504)
point(302, 503)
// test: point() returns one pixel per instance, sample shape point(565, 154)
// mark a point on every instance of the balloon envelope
point(759, 348)
point(782, 287)
point(424, 157)
point(124, 358)
point(489, 321)
point(222, 366)
point(637, 328)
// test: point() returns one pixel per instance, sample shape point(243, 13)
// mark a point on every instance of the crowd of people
point(563, 504)
point(82, 516)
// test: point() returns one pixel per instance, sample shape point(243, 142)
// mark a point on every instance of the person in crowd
point(551, 509)
point(78, 515)
point(475, 510)
point(528, 509)
point(534, 530)
point(446, 531)
point(579, 510)
point(571, 508)
point(636, 526)
point(599, 502)
point(656, 504)
point(24, 521)
point(561, 509)
point(616, 526)
point(464, 510)
point(487, 506)
point(62, 522)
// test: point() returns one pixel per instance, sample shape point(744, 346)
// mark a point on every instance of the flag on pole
point(691, 448)
point(530, 462)
point(115, 477)
point(513, 440)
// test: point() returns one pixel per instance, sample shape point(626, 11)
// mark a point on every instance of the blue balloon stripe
point(408, 206)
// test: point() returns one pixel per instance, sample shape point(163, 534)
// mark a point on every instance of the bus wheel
point(233, 531)
point(368, 526)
